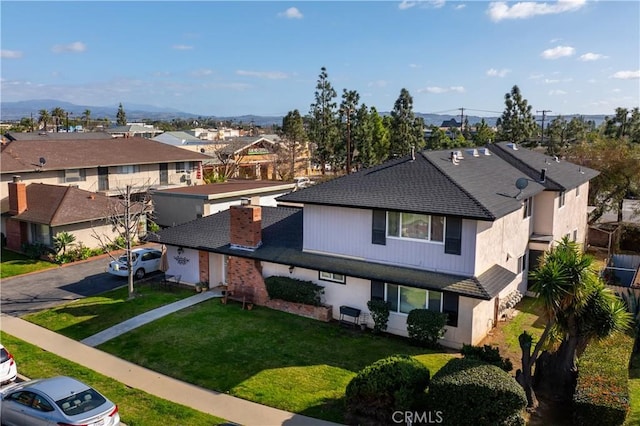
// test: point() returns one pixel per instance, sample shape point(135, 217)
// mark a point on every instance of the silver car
point(56, 401)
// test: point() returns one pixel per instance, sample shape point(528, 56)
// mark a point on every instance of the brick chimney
point(17, 196)
point(245, 226)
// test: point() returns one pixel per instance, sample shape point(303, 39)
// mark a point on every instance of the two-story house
point(454, 232)
point(104, 166)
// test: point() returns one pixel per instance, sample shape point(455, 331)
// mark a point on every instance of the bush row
point(292, 290)
point(602, 390)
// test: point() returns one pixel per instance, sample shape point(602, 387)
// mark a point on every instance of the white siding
point(189, 271)
point(347, 232)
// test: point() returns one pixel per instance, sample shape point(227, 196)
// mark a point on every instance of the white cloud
point(557, 92)
point(203, 72)
point(377, 83)
point(460, 6)
point(498, 73)
point(591, 57)
point(499, 11)
point(415, 66)
point(404, 4)
point(408, 4)
point(10, 54)
point(627, 75)
point(558, 52)
point(291, 13)
point(438, 90)
point(269, 75)
point(76, 47)
point(181, 47)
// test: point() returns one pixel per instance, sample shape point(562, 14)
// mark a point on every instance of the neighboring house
point(254, 156)
point(55, 136)
point(450, 232)
point(37, 212)
point(134, 130)
point(105, 166)
point(179, 205)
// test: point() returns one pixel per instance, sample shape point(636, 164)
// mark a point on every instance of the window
point(561, 199)
point(577, 191)
point(522, 263)
point(40, 233)
point(333, 277)
point(183, 167)
point(127, 170)
point(575, 235)
point(415, 226)
point(74, 175)
point(528, 207)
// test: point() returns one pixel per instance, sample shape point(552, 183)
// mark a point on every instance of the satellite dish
point(43, 161)
point(521, 184)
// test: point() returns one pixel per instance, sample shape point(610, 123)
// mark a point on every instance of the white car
point(8, 367)
point(303, 182)
point(143, 261)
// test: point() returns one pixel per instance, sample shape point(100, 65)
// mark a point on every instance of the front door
point(164, 174)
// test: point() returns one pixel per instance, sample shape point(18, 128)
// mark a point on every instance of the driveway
point(34, 292)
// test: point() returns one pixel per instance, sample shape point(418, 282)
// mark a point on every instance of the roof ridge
point(475, 200)
point(55, 213)
point(529, 170)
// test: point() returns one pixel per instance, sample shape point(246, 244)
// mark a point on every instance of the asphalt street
point(37, 291)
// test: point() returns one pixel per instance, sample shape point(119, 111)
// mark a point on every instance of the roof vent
point(484, 151)
point(454, 158)
point(543, 175)
point(244, 201)
point(473, 152)
point(459, 155)
point(513, 146)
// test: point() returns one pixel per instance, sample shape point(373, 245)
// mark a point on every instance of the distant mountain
point(14, 111)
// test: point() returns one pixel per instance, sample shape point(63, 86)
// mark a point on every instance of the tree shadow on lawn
point(267, 356)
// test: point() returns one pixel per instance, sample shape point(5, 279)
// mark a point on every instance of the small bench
point(349, 316)
point(244, 298)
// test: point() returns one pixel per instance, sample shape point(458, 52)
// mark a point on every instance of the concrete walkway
point(218, 404)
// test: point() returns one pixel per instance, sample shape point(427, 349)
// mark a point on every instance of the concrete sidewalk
point(227, 407)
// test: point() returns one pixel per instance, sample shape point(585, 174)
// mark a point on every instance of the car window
point(81, 402)
point(41, 404)
point(4, 355)
point(123, 258)
point(22, 397)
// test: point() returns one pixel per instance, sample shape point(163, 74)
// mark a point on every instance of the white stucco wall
point(189, 268)
point(84, 233)
point(573, 215)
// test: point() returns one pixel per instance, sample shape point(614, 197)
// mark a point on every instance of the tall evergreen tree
point(403, 126)
point(347, 114)
point(517, 123)
point(121, 116)
point(484, 134)
point(294, 140)
point(323, 125)
point(380, 137)
point(362, 137)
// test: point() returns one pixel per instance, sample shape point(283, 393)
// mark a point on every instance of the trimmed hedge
point(472, 392)
point(390, 384)
point(292, 290)
point(489, 354)
point(602, 392)
point(425, 327)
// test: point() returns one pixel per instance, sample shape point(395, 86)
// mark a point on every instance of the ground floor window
point(404, 299)
point(40, 234)
point(333, 277)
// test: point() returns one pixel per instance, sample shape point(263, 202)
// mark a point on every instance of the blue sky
point(234, 58)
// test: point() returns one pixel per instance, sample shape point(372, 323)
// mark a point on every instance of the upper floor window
point(561, 199)
point(333, 277)
point(125, 170)
point(75, 175)
point(415, 226)
point(522, 263)
point(577, 191)
point(183, 167)
point(528, 207)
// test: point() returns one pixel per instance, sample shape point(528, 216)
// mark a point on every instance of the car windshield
point(81, 402)
point(123, 258)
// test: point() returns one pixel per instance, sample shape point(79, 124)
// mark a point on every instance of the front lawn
point(13, 264)
point(86, 317)
point(266, 356)
point(135, 407)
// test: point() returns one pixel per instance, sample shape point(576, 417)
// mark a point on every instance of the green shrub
point(390, 384)
point(426, 327)
point(471, 392)
point(292, 290)
point(379, 313)
point(36, 250)
point(602, 389)
point(488, 354)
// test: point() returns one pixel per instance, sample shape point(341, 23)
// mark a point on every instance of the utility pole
point(544, 112)
point(461, 120)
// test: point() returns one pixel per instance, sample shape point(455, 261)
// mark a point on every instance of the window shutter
point(450, 307)
point(377, 290)
point(453, 236)
point(379, 227)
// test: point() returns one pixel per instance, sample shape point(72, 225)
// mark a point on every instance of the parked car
point(303, 182)
point(8, 367)
point(56, 401)
point(143, 261)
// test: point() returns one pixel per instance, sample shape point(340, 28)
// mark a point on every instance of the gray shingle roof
point(479, 187)
point(282, 244)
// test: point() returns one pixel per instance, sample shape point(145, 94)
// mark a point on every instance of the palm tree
point(59, 114)
point(62, 241)
point(44, 118)
point(86, 116)
point(578, 308)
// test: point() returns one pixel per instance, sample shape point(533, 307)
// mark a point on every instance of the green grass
point(270, 357)
point(633, 418)
point(13, 264)
point(137, 408)
point(527, 319)
point(86, 317)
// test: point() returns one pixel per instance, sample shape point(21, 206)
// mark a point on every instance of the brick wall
point(322, 313)
point(16, 234)
point(245, 276)
point(245, 226)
